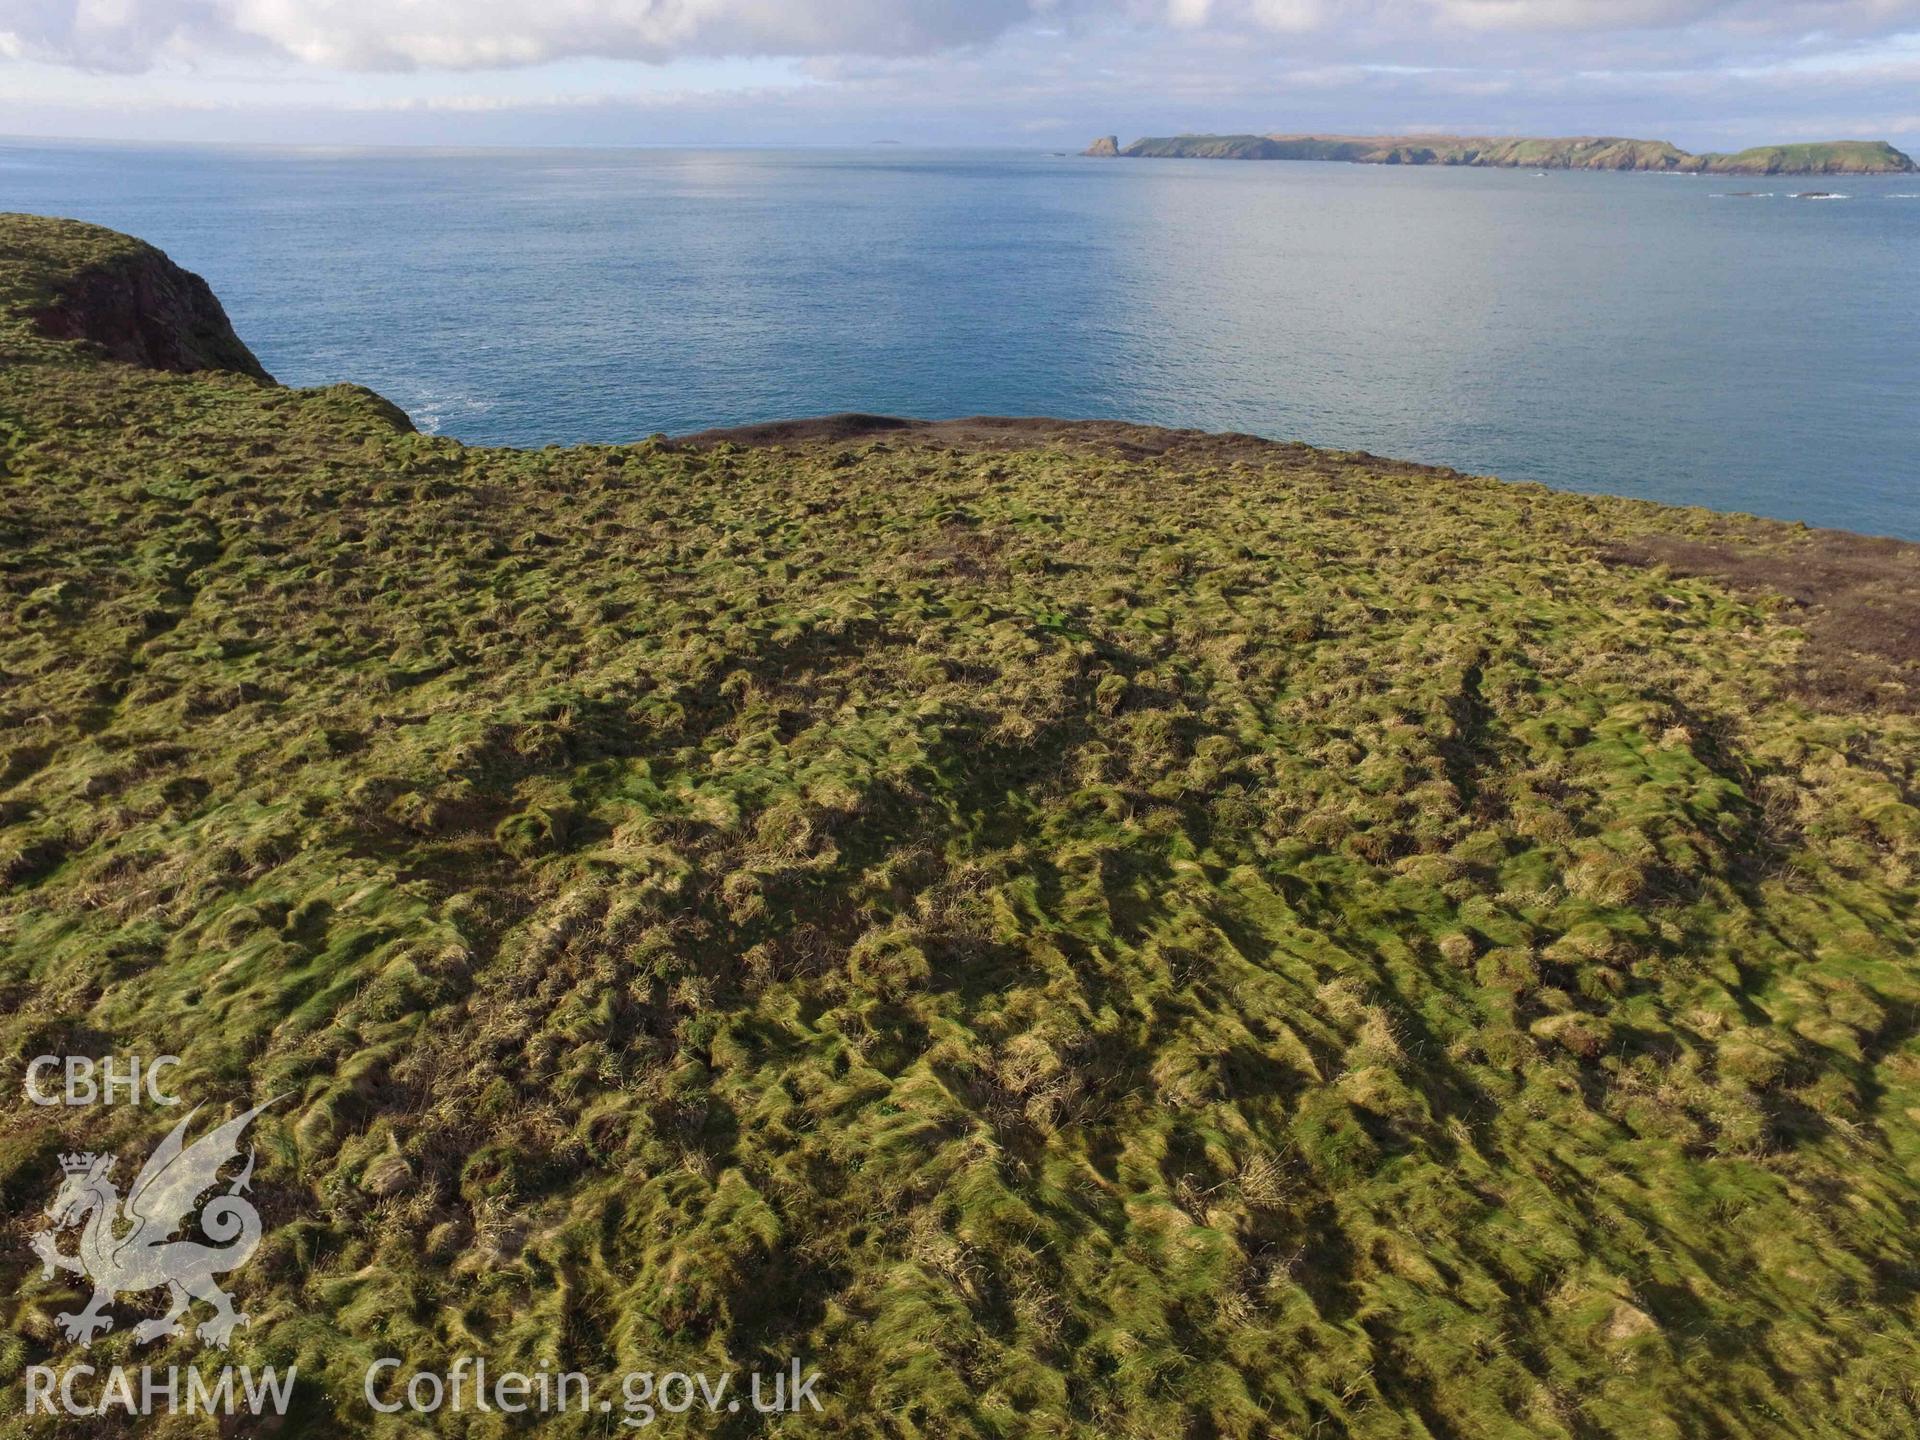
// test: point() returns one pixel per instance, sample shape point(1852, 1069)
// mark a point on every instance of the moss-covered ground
point(1226, 942)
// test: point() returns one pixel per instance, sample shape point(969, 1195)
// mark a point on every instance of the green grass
point(1071, 945)
point(1839, 157)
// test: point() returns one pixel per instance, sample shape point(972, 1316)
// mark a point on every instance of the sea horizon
point(1578, 331)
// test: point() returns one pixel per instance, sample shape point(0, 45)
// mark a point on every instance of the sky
point(1705, 74)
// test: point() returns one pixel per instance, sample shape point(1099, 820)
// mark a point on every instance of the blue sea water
point(1638, 335)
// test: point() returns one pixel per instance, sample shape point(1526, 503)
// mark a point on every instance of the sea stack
point(1106, 147)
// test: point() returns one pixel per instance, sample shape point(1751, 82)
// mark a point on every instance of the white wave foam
point(433, 409)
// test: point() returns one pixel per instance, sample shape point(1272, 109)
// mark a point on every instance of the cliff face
point(1105, 147)
point(129, 299)
point(1211, 147)
point(1587, 152)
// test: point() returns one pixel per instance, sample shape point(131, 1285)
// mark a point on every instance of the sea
point(1717, 341)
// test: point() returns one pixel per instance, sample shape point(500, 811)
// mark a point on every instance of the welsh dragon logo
point(127, 1246)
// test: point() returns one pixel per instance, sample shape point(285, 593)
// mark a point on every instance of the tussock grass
point(1073, 945)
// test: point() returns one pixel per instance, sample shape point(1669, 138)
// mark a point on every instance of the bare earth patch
point(1860, 595)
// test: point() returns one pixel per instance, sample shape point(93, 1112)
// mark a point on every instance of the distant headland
point(1587, 152)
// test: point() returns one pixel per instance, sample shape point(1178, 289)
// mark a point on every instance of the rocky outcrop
point(1106, 147)
point(139, 307)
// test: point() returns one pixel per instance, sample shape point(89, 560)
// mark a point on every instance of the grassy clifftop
point(1076, 931)
point(1841, 157)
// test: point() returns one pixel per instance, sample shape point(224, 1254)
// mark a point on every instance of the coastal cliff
point(127, 300)
point(1066, 929)
point(1840, 157)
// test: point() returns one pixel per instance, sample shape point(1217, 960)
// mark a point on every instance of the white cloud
point(131, 35)
point(1773, 17)
point(1576, 14)
point(476, 34)
point(1282, 15)
point(1709, 74)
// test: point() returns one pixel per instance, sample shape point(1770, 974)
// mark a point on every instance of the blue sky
point(1046, 73)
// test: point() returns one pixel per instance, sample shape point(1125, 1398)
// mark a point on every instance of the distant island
point(1587, 152)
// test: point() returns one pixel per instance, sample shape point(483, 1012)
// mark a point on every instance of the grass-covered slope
point(1839, 157)
point(1075, 932)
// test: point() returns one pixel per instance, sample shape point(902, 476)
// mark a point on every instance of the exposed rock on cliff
point(137, 306)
